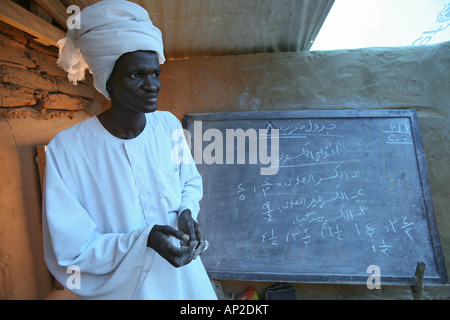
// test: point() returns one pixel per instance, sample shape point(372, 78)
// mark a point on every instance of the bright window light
point(384, 23)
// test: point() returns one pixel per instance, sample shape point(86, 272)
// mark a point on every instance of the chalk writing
point(270, 237)
point(397, 133)
point(312, 153)
point(239, 191)
point(333, 254)
point(303, 129)
point(302, 210)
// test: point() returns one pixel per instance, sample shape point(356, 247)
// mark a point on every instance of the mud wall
point(36, 101)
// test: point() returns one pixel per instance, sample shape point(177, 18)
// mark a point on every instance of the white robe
point(103, 195)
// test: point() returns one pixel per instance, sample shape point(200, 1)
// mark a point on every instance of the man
point(116, 205)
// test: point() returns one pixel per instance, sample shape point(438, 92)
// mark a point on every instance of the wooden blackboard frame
point(332, 114)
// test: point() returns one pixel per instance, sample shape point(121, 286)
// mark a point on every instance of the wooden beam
point(56, 9)
point(38, 11)
point(24, 20)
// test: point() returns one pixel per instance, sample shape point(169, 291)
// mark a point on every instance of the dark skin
point(134, 86)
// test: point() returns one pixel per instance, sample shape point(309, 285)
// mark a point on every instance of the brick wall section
point(31, 83)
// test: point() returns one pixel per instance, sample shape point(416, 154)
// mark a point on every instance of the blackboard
point(350, 191)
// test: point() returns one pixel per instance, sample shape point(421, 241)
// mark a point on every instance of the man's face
point(134, 83)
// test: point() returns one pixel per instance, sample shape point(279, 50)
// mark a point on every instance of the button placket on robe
point(145, 184)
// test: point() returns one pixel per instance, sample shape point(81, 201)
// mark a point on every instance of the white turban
point(109, 29)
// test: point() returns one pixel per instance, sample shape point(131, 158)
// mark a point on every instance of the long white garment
point(103, 195)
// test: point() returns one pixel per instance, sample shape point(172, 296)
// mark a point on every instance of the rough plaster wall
point(23, 274)
point(10, 191)
point(348, 79)
point(368, 78)
point(36, 101)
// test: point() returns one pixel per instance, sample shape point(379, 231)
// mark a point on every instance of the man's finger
point(201, 244)
point(189, 228)
point(187, 224)
point(181, 256)
point(169, 231)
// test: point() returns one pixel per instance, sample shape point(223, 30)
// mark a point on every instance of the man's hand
point(158, 240)
point(188, 225)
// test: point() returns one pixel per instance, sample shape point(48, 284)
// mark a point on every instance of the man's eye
point(156, 74)
point(134, 76)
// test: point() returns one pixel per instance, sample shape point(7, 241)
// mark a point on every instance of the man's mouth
point(151, 97)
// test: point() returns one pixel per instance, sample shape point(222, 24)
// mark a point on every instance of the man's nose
point(151, 83)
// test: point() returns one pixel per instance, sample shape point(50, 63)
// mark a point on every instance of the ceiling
point(201, 28)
